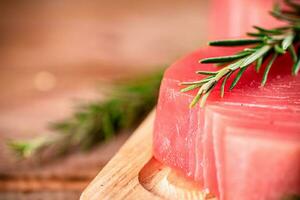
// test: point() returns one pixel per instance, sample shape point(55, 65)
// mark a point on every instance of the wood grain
point(119, 177)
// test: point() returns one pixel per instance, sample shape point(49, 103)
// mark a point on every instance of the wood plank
point(134, 173)
point(120, 176)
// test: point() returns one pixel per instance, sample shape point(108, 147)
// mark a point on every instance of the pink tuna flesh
point(246, 144)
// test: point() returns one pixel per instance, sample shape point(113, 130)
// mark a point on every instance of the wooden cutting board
point(134, 174)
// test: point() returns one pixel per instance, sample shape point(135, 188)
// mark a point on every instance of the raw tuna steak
point(243, 146)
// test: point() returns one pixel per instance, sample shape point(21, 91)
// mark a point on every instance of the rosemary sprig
point(264, 43)
point(99, 121)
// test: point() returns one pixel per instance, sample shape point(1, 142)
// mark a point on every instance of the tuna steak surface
point(244, 146)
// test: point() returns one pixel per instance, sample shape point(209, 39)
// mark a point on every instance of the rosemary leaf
point(292, 4)
point(267, 70)
point(239, 42)
point(206, 72)
point(287, 41)
point(296, 68)
point(237, 78)
point(258, 64)
point(278, 49)
point(204, 98)
point(289, 12)
point(268, 31)
point(284, 17)
point(285, 28)
point(293, 53)
point(197, 82)
point(190, 87)
point(253, 49)
point(223, 59)
point(196, 98)
point(256, 34)
point(223, 84)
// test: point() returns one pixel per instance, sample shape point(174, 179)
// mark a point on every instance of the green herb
point(235, 42)
point(266, 42)
point(126, 104)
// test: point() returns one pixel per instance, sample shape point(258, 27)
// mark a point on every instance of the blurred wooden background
point(53, 54)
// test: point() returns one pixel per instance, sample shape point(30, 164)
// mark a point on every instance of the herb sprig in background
point(124, 107)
